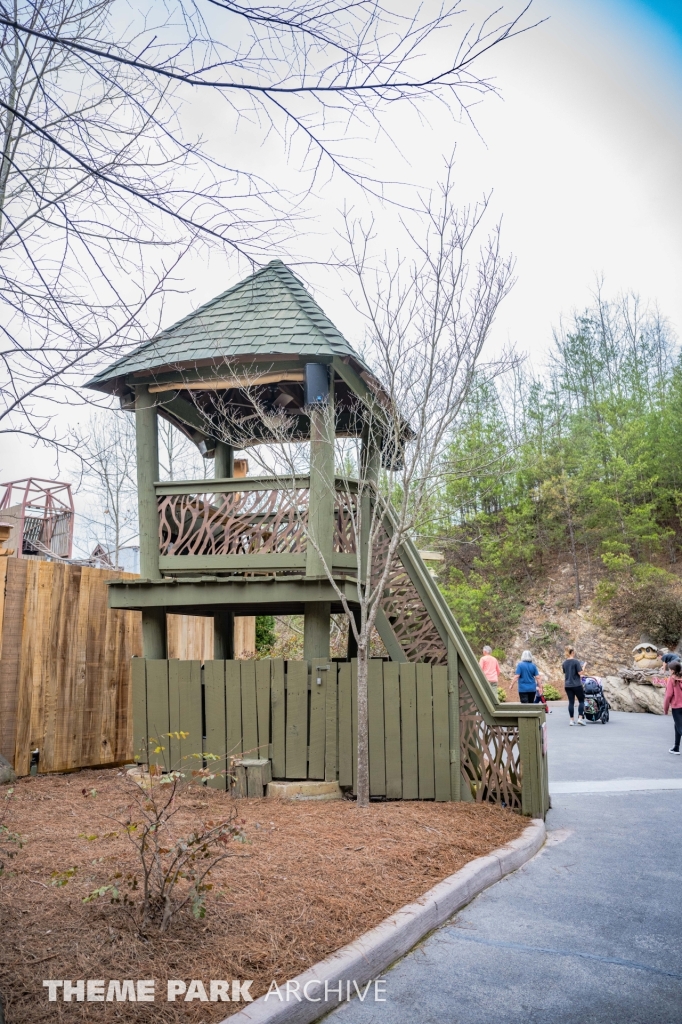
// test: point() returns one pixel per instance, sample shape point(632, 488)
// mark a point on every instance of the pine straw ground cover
point(310, 878)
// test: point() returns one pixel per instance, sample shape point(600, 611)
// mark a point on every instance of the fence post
point(532, 783)
point(453, 715)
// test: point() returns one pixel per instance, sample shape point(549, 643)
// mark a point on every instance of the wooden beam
point(184, 414)
point(234, 592)
point(225, 383)
point(219, 563)
point(226, 486)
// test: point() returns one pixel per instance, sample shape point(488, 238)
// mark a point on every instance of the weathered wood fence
point(65, 664)
point(426, 741)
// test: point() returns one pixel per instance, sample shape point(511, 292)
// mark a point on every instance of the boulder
point(626, 695)
point(6, 772)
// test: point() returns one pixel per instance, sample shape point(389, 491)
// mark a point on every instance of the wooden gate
point(427, 741)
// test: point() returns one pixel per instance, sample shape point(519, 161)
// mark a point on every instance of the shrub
point(482, 609)
point(265, 635)
point(551, 692)
point(501, 695)
point(645, 599)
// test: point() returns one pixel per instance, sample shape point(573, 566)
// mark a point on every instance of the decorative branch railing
point(258, 516)
point(238, 523)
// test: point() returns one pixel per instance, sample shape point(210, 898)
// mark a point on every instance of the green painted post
point(371, 466)
point(320, 549)
point(147, 441)
point(224, 460)
point(322, 492)
point(453, 715)
point(223, 635)
point(316, 627)
point(223, 620)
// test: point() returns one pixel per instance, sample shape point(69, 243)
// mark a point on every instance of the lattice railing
point(345, 523)
point(414, 628)
point(247, 522)
point(264, 522)
point(491, 757)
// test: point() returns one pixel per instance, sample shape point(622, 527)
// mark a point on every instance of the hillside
point(550, 620)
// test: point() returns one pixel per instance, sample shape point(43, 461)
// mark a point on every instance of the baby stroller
point(596, 705)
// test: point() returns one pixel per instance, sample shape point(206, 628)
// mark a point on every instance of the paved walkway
point(590, 930)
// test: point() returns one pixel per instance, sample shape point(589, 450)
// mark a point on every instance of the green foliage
point(265, 635)
point(584, 465)
point(481, 609)
point(551, 692)
point(173, 869)
point(501, 695)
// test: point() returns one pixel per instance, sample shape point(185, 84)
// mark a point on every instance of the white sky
point(582, 154)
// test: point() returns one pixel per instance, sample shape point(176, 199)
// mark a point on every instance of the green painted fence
point(428, 737)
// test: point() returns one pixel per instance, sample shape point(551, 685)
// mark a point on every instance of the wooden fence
point(65, 664)
point(304, 718)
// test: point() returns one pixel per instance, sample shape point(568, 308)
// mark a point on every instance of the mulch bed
point(310, 878)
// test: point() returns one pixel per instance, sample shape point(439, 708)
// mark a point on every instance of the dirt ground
point(310, 878)
point(550, 621)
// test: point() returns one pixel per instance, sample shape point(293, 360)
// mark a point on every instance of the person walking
point(673, 702)
point(526, 678)
point(573, 684)
point(490, 666)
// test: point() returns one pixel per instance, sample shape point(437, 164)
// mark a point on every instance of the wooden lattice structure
point(40, 515)
point(225, 375)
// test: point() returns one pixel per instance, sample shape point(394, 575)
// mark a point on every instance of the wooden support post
point(316, 628)
point(322, 492)
point(147, 440)
point(369, 476)
point(223, 635)
point(154, 635)
point(224, 460)
point(453, 715)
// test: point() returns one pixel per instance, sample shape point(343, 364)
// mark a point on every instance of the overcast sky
point(583, 155)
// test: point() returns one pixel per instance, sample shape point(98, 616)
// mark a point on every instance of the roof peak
point(270, 312)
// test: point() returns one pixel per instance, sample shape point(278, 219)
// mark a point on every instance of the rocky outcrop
point(634, 691)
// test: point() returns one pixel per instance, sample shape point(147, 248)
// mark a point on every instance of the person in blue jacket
point(526, 678)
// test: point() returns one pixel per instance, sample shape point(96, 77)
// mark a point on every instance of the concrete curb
point(373, 952)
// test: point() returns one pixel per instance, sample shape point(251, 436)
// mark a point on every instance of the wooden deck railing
point(254, 524)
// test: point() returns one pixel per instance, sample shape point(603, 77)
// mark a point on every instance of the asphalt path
point(590, 930)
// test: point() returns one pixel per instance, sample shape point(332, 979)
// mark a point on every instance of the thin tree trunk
point(574, 553)
point(363, 734)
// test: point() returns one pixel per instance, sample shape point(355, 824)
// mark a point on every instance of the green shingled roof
point(269, 313)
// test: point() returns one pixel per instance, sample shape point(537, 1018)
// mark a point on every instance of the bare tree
point(179, 458)
point(107, 451)
point(102, 192)
point(428, 319)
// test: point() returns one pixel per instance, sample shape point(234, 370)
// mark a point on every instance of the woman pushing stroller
point(573, 684)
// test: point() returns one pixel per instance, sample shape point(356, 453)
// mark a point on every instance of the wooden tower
point(224, 545)
point(232, 545)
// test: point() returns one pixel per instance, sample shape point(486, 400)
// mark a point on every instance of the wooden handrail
point(250, 483)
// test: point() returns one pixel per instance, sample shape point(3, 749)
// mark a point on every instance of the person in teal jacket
point(526, 678)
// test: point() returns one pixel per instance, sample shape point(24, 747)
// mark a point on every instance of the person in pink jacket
point(673, 702)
